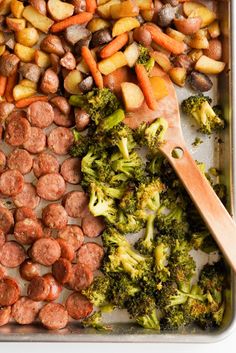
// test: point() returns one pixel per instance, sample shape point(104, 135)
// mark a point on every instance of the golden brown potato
point(124, 24)
point(27, 36)
point(104, 10)
point(124, 9)
point(59, 10)
point(214, 29)
point(178, 75)
point(24, 53)
point(17, 8)
point(42, 59)
point(188, 25)
point(112, 63)
point(20, 92)
point(97, 23)
point(72, 80)
point(195, 9)
point(5, 7)
point(15, 24)
point(215, 49)
point(209, 66)
point(39, 21)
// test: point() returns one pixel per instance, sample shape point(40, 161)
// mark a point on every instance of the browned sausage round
point(12, 254)
point(6, 220)
point(2, 161)
point(78, 306)
point(2, 272)
point(54, 216)
point(55, 287)
point(25, 311)
point(82, 119)
point(40, 114)
point(71, 170)
point(9, 291)
point(27, 197)
point(17, 130)
point(29, 269)
point(45, 163)
point(2, 238)
point(36, 142)
point(62, 270)
point(60, 140)
point(27, 231)
point(45, 251)
point(73, 236)
point(61, 103)
point(11, 182)
point(91, 255)
point(24, 212)
point(5, 315)
point(92, 226)
point(53, 316)
point(51, 187)
point(67, 250)
point(38, 289)
point(62, 119)
point(81, 277)
point(21, 160)
point(49, 82)
point(76, 204)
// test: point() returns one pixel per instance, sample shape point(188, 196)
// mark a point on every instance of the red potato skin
point(189, 25)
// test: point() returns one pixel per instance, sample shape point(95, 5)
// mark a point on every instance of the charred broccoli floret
point(170, 296)
point(122, 137)
point(97, 293)
point(152, 135)
point(95, 321)
point(145, 59)
point(110, 121)
point(131, 167)
point(161, 255)
point(129, 223)
point(145, 245)
point(174, 318)
point(203, 241)
point(148, 195)
point(122, 288)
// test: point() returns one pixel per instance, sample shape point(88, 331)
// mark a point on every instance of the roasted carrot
point(3, 83)
point(90, 61)
point(91, 6)
point(114, 46)
point(165, 41)
point(73, 20)
point(11, 82)
point(146, 86)
point(25, 102)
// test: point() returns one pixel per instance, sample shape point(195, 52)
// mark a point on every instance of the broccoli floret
point(172, 223)
point(197, 307)
point(87, 163)
point(145, 244)
point(203, 241)
point(122, 288)
point(129, 223)
point(95, 321)
point(221, 191)
point(122, 137)
point(200, 109)
point(128, 203)
point(145, 59)
point(109, 122)
point(132, 167)
point(81, 144)
point(152, 135)
point(148, 195)
point(161, 255)
point(97, 292)
point(170, 296)
point(98, 103)
point(154, 164)
point(174, 318)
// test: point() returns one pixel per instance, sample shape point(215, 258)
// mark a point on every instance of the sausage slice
point(71, 170)
point(29, 270)
point(91, 255)
point(6, 220)
point(54, 287)
point(81, 278)
point(45, 251)
point(24, 212)
point(27, 197)
point(92, 226)
point(17, 130)
point(51, 187)
point(5, 315)
point(62, 270)
point(60, 140)
point(54, 216)
point(11, 182)
point(73, 235)
point(9, 291)
point(27, 231)
point(38, 289)
point(45, 163)
point(21, 160)
point(78, 306)
point(36, 142)
point(54, 316)
point(25, 311)
point(40, 114)
point(76, 204)
point(12, 254)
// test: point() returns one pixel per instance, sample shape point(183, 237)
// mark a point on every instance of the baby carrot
point(73, 20)
point(11, 82)
point(3, 83)
point(25, 102)
point(91, 5)
point(146, 86)
point(114, 46)
point(90, 61)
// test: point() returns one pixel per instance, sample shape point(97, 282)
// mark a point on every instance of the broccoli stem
point(112, 120)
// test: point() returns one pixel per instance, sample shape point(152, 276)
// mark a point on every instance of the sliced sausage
point(92, 226)
point(30, 71)
point(17, 130)
point(27, 231)
point(21, 160)
point(76, 204)
point(91, 255)
point(29, 269)
point(62, 270)
point(5, 315)
point(73, 236)
point(8, 64)
point(81, 277)
point(51, 187)
point(55, 287)
point(67, 250)
point(78, 306)
point(11, 182)
point(27, 197)
point(38, 289)
point(2, 238)
point(2, 272)
point(9, 291)
point(6, 220)
point(62, 119)
point(49, 82)
point(12, 254)
point(45, 163)
point(45, 251)
point(25, 311)
point(36, 142)
point(40, 114)
point(53, 316)
point(61, 103)
point(52, 44)
point(54, 216)
point(2, 161)
point(60, 140)
point(71, 170)
point(24, 212)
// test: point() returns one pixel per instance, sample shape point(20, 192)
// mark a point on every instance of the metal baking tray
point(221, 155)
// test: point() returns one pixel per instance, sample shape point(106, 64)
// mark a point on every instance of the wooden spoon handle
point(215, 215)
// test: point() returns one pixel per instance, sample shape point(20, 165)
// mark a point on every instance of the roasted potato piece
point(42, 59)
point(180, 37)
point(27, 36)
point(195, 54)
point(39, 21)
point(162, 60)
point(189, 25)
point(199, 40)
point(17, 8)
point(214, 50)
point(132, 96)
point(144, 4)
point(124, 9)
point(5, 7)
point(194, 9)
point(59, 10)
point(159, 87)
point(209, 66)
point(2, 49)
point(52, 44)
point(147, 15)
point(97, 23)
point(124, 24)
point(15, 24)
point(75, 33)
point(28, 83)
point(24, 53)
point(214, 29)
point(178, 75)
point(112, 63)
point(105, 10)
point(132, 53)
point(20, 92)
point(39, 5)
point(71, 82)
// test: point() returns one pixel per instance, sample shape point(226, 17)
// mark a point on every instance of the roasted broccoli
point(97, 293)
point(148, 195)
point(95, 321)
point(122, 137)
point(145, 245)
point(109, 122)
point(203, 241)
point(122, 289)
point(161, 255)
point(152, 135)
point(145, 59)
point(131, 167)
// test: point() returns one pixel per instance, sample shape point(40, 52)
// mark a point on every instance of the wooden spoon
point(215, 215)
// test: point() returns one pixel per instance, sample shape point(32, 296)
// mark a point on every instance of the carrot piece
point(11, 82)
point(73, 20)
point(25, 102)
point(146, 86)
point(114, 46)
point(90, 61)
point(91, 6)
point(165, 41)
point(3, 83)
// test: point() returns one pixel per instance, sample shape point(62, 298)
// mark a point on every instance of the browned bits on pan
point(25, 311)
point(78, 306)
point(29, 270)
point(53, 316)
point(49, 82)
point(8, 64)
point(11, 182)
point(52, 44)
point(54, 216)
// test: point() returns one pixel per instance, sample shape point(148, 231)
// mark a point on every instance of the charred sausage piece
point(27, 231)
point(76, 204)
point(53, 316)
point(2, 161)
point(11, 182)
point(51, 187)
point(2, 272)
point(82, 119)
point(29, 270)
point(49, 82)
point(27, 197)
point(90, 255)
point(40, 114)
point(60, 140)
point(78, 306)
point(73, 235)
point(24, 212)
point(12, 254)
point(6, 220)
point(2, 238)
point(55, 287)
point(45, 251)
point(45, 163)
point(184, 61)
point(67, 250)
point(75, 33)
point(21, 160)
point(30, 71)
point(8, 64)
point(101, 37)
point(200, 82)
point(9, 291)
point(52, 44)
point(62, 270)
point(81, 277)
point(87, 84)
point(71, 170)
point(62, 104)
point(54, 216)
point(38, 289)
point(17, 130)
point(36, 142)
point(5, 315)
point(68, 61)
point(62, 119)
point(5, 109)
point(92, 226)
point(25, 311)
